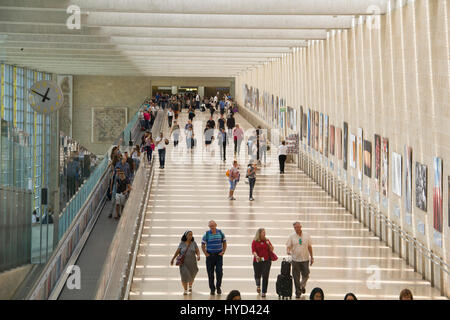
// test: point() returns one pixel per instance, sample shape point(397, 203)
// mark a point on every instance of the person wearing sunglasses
point(299, 246)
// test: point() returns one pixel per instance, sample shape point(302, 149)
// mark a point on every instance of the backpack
point(219, 231)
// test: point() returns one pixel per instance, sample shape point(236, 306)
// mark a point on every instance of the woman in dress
point(188, 269)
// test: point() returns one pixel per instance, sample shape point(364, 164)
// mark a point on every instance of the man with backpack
point(214, 246)
point(299, 246)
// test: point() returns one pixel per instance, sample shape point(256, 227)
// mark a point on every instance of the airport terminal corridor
point(192, 189)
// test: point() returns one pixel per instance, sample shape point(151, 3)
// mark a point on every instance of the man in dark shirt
point(231, 124)
point(221, 122)
point(123, 188)
point(211, 123)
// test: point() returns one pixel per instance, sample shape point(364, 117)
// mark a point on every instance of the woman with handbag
point(187, 256)
point(263, 256)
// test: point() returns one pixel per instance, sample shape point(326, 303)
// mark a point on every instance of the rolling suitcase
point(284, 281)
point(284, 286)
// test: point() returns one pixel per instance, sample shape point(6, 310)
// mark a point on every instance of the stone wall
point(104, 92)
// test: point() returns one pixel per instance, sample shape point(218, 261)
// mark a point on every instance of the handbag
point(180, 258)
point(273, 256)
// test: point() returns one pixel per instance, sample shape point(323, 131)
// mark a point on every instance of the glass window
point(20, 98)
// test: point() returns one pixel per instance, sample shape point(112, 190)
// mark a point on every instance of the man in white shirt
point(197, 101)
point(161, 146)
point(282, 155)
point(299, 246)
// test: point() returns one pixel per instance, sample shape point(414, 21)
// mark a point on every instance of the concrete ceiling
point(194, 38)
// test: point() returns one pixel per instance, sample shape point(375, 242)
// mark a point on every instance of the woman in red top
point(262, 251)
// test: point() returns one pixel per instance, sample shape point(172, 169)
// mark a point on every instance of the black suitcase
point(284, 286)
point(285, 268)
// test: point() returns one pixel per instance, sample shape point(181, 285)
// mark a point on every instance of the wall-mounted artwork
point(408, 179)
point(345, 147)
point(339, 143)
point(360, 154)
point(353, 151)
point(384, 166)
point(397, 174)
point(377, 160)
point(107, 123)
point(326, 136)
point(302, 123)
point(277, 112)
point(437, 195)
point(316, 131)
point(332, 140)
point(305, 125)
point(321, 134)
point(421, 186)
point(309, 127)
point(272, 109)
point(368, 158)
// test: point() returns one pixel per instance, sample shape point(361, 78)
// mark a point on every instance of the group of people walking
point(214, 247)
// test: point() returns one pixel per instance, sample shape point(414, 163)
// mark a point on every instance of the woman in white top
point(170, 117)
point(161, 146)
point(282, 153)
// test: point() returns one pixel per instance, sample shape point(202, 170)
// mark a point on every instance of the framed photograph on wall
point(309, 127)
point(353, 151)
point(377, 160)
point(316, 131)
point(397, 174)
point(360, 154)
point(384, 166)
point(437, 195)
point(332, 140)
point(345, 146)
point(368, 158)
point(421, 186)
point(408, 179)
point(321, 134)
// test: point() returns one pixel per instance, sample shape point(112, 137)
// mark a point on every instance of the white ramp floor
point(192, 189)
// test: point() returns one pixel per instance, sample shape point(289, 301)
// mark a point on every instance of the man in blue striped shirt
point(214, 245)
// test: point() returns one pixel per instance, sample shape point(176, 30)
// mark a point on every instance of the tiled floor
point(192, 189)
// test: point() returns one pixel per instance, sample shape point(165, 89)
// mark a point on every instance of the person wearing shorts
point(233, 179)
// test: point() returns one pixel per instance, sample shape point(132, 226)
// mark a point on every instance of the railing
point(371, 216)
point(117, 272)
point(75, 219)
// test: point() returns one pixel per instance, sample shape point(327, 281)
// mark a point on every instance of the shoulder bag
point(180, 258)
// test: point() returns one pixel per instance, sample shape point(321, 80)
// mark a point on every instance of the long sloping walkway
point(192, 189)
